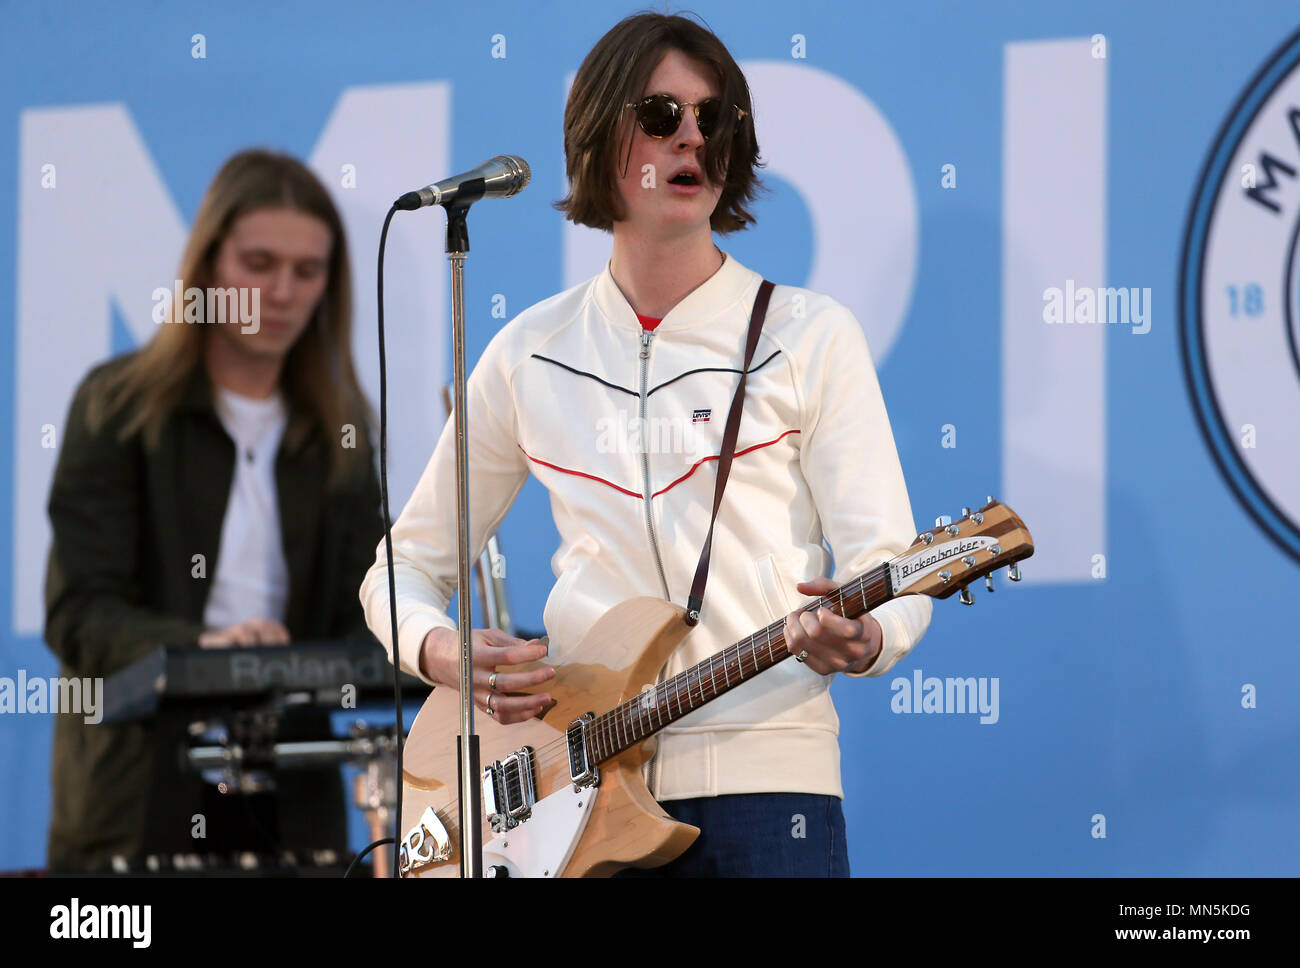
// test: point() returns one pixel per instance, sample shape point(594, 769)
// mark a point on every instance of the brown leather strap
point(696, 599)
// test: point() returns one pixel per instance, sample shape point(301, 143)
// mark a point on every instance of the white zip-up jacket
point(623, 427)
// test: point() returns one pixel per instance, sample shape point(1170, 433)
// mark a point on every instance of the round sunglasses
point(660, 115)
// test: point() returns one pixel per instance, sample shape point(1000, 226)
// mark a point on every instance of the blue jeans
point(758, 835)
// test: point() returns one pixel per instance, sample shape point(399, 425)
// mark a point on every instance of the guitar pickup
point(510, 790)
point(582, 771)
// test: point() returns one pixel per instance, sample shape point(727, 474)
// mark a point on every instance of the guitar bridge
point(510, 790)
point(582, 770)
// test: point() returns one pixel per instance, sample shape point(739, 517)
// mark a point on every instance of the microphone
point(498, 177)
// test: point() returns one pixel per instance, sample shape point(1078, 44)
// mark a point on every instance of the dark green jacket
point(128, 521)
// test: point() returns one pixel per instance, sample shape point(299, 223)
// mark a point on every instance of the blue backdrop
point(939, 167)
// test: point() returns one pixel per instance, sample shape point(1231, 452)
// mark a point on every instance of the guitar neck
point(626, 725)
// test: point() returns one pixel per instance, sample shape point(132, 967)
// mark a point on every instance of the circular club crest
point(1239, 298)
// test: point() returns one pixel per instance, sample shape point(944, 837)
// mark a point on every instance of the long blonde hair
point(318, 379)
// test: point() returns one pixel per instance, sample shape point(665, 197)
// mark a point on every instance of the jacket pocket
point(558, 630)
point(769, 585)
point(777, 598)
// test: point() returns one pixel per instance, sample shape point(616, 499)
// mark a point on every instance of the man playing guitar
point(661, 151)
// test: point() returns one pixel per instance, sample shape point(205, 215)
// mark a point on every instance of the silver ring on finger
point(490, 710)
point(802, 655)
point(492, 682)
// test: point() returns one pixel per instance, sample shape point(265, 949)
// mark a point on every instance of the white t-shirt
point(252, 577)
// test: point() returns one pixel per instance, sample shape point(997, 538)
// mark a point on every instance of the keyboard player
point(215, 487)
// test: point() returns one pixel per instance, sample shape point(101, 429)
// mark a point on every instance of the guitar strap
point(756, 317)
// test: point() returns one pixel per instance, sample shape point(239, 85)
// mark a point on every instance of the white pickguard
point(543, 844)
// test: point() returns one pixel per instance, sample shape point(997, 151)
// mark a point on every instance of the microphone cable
point(388, 547)
point(367, 849)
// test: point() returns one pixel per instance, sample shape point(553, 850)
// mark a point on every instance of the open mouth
point(683, 178)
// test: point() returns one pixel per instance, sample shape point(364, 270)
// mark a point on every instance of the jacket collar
point(714, 296)
point(198, 396)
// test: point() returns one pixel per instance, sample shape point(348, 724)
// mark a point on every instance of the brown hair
point(615, 74)
point(318, 379)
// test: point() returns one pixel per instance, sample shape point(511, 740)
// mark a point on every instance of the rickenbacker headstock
point(953, 554)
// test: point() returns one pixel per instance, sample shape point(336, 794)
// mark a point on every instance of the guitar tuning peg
point(966, 597)
point(988, 582)
point(965, 512)
point(1014, 573)
point(988, 499)
point(942, 521)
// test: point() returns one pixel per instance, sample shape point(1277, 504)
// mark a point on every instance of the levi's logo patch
point(701, 416)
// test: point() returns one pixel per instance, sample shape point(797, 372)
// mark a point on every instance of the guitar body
point(588, 833)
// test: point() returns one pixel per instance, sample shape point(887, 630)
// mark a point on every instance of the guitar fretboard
point(624, 726)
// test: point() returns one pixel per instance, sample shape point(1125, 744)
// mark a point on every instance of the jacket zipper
point(646, 336)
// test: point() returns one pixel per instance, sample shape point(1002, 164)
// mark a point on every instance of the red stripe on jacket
point(623, 490)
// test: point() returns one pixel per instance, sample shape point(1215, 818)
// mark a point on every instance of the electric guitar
point(563, 793)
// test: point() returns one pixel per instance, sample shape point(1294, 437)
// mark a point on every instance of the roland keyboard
point(194, 680)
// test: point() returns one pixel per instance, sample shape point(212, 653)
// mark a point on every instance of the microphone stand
point(491, 589)
point(470, 795)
